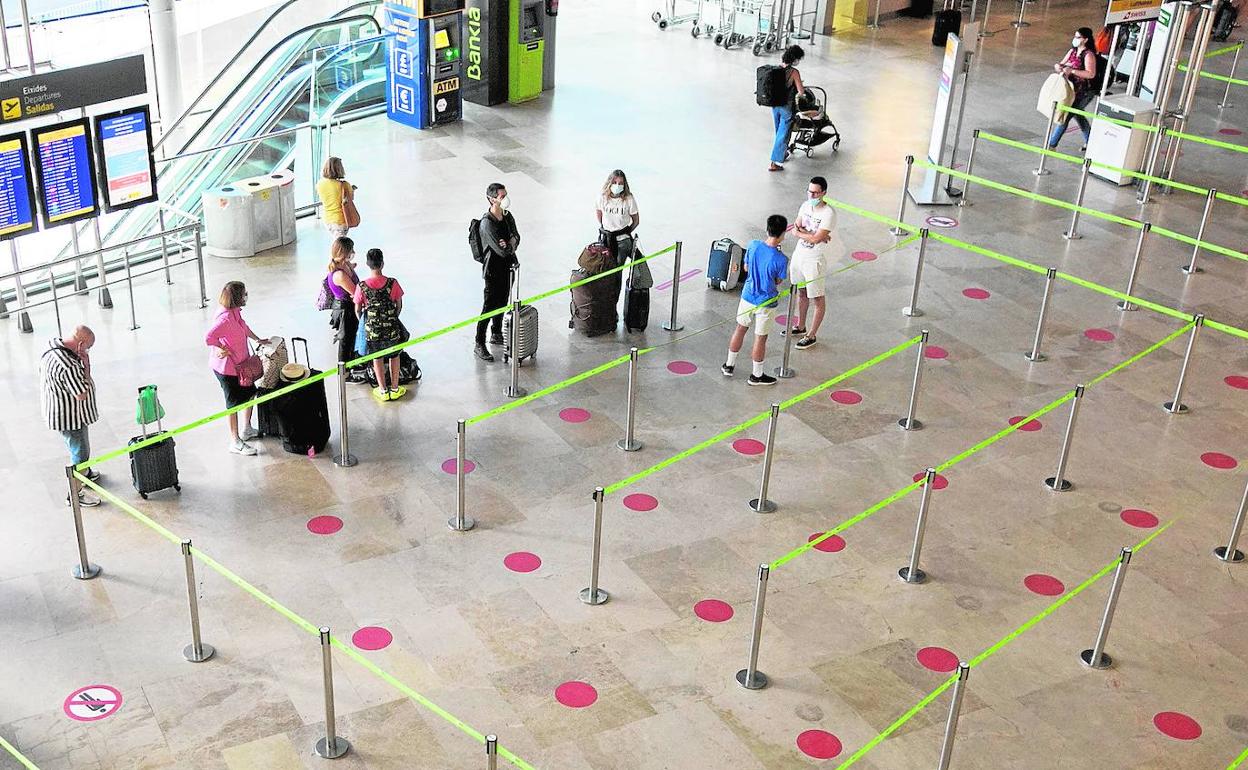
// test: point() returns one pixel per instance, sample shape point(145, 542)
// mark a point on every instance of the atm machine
point(510, 45)
point(424, 61)
point(526, 49)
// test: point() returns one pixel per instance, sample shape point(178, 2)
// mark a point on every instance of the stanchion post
point(1229, 553)
point(875, 24)
point(197, 651)
point(911, 572)
point(104, 297)
point(84, 569)
point(912, 310)
point(80, 280)
point(784, 371)
point(750, 677)
point(164, 245)
point(630, 443)
point(955, 705)
point(491, 752)
point(1058, 482)
point(970, 169)
point(1034, 355)
point(344, 458)
point(1019, 23)
point(134, 322)
point(332, 746)
point(199, 264)
point(1040, 170)
point(56, 302)
point(1226, 95)
point(1096, 657)
point(673, 325)
point(1154, 153)
point(595, 595)
point(909, 422)
point(1073, 233)
point(1127, 305)
point(905, 191)
point(1190, 268)
point(761, 504)
point(461, 521)
point(983, 28)
point(1176, 405)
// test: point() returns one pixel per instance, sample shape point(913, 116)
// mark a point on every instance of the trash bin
point(250, 215)
point(1120, 146)
point(229, 222)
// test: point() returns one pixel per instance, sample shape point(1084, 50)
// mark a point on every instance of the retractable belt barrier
point(26, 763)
point(1153, 129)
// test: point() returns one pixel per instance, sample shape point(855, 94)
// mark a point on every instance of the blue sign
point(17, 189)
point(402, 70)
point(66, 172)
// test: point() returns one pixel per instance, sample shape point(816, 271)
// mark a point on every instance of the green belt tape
point(942, 238)
point(1221, 51)
point(1096, 287)
point(1216, 142)
point(290, 615)
point(1153, 129)
point(1105, 118)
point(1232, 330)
point(552, 388)
point(394, 349)
point(862, 367)
point(1159, 344)
point(603, 274)
point(1234, 763)
point(26, 763)
point(1223, 78)
point(994, 649)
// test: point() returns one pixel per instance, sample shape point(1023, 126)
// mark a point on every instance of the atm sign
point(447, 86)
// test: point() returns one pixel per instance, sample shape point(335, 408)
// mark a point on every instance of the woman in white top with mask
point(617, 213)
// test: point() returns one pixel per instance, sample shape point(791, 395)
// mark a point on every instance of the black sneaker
point(92, 475)
point(483, 352)
point(356, 377)
point(805, 342)
point(727, 370)
point(765, 379)
point(799, 333)
point(497, 339)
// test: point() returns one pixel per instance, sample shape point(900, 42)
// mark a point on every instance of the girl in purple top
point(341, 279)
point(228, 337)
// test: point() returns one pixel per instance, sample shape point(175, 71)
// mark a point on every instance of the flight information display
point(66, 172)
point(17, 188)
point(123, 141)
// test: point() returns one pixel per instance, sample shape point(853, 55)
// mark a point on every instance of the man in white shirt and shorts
point(814, 229)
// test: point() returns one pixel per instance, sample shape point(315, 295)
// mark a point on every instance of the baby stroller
point(811, 125)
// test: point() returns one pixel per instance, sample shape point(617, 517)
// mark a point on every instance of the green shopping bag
point(148, 408)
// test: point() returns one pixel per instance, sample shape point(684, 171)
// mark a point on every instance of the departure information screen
point(17, 189)
point(127, 171)
point(66, 172)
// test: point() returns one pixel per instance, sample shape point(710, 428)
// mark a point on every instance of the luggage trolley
point(708, 10)
point(668, 16)
point(748, 21)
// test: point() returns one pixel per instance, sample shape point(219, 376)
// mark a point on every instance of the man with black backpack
point(493, 240)
point(778, 87)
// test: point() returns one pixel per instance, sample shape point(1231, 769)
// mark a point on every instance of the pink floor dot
point(522, 561)
point(819, 744)
point(864, 256)
point(640, 502)
point(847, 397)
point(1230, 131)
point(783, 321)
point(749, 446)
point(1099, 335)
point(1137, 518)
point(1176, 725)
point(448, 466)
point(324, 525)
point(935, 352)
point(713, 610)
point(976, 293)
point(1237, 381)
point(573, 414)
point(937, 659)
point(1045, 585)
point(939, 483)
point(1030, 426)
point(833, 544)
point(1222, 462)
point(576, 695)
point(682, 367)
point(372, 638)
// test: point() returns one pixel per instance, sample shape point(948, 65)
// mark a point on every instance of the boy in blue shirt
point(766, 268)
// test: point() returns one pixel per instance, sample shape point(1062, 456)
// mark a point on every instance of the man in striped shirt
point(67, 396)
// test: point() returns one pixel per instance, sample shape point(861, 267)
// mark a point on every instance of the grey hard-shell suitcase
point(527, 342)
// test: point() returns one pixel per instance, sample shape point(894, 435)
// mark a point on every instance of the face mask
point(616, 189)
point(1074, 42)
point(504, 202)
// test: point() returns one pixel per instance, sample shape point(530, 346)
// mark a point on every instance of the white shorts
point(809, 271)
point(761, 317)
point(336, 231)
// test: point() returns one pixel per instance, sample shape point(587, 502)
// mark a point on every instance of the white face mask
point(1074, 42)
point(617, 189)
point(504, 203)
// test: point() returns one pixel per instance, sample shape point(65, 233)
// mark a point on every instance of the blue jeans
point(783, 118)
point(79, 444)
point(1082, 102)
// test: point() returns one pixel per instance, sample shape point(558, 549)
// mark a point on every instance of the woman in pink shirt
point(228, 337)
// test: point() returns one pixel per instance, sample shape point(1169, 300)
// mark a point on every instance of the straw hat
point(294, 372)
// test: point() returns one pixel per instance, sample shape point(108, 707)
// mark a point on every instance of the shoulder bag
point(349, 211)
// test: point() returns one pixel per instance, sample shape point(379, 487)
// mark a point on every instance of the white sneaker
point(240, 447)
point(85, 499)
point(248, 433)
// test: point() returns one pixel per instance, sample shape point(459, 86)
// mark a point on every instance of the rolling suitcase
point(154, 467)
point(593, 304)
point(948, 19)
point(527, 341)
point(1224, 22)
point(723, 270)
point(303, 414)
point(637, 298)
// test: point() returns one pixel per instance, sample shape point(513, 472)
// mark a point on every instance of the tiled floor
point(841, 634)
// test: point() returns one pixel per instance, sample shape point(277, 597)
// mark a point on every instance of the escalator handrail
point(338, 17)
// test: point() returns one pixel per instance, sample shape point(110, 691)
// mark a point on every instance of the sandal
point(775, 167)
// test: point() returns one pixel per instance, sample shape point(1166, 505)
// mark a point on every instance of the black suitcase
point(303, 414)
point(947, 20)
point(267, 423)
point(154, 467)
point(1224, 22)
point(636, 309)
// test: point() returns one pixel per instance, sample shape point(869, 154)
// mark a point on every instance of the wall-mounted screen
point(123, 142)
point(17, 188)
point(66, 172)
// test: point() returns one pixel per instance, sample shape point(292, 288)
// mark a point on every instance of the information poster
point(66, 172)
point(17, 188)
point(123, 141)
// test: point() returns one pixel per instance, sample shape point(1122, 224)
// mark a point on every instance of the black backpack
point(474, 241)
point(772, 85)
